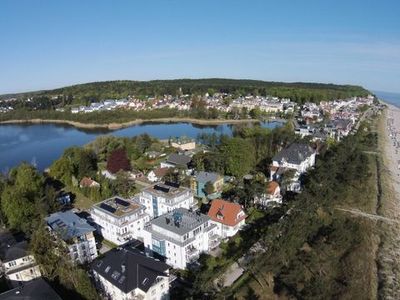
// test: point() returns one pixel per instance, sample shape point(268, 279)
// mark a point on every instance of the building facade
point(15, 262)
point(126, 274)
point(199, 181)
point(180, 236)
point(75, 233)
point(162, 198)
point(119, 220)
point(227, 216)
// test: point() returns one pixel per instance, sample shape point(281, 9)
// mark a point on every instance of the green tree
point(238, 156)
point(209, 188)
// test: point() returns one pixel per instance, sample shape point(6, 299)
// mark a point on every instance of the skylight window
point(107, 269)
point(145, 281)
point(121, 280)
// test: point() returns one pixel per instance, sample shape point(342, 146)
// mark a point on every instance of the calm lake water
point(41, 144)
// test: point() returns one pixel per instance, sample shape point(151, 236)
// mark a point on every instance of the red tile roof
point(271, 187)
point(225, 212)
point(87, 182)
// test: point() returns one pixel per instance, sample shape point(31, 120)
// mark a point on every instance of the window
point(12, 264)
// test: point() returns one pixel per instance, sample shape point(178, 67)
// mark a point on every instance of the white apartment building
point(15, 262)
point(76, 233)
point(162, 198)
point(125, 274)
point(119, 220)
point(180, 236)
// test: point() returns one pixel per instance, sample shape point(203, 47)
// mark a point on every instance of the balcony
point(192, 254)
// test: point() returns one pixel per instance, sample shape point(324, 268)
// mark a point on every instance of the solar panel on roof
point(173, 184)
point(122, 202)
point(107, 208)
point(161, 188)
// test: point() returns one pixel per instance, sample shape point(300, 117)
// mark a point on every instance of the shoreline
point(115, 126)
point(389, 248)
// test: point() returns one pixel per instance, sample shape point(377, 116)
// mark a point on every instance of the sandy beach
point(392, 146)
point(389, 205)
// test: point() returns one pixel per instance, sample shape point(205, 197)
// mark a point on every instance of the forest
point(298, 91)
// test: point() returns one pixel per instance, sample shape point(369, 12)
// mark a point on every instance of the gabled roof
point(160, 172)
point(271, 187)
point(294, 154)
point(128, 269)
point(225, 212)
point(37, 289)
point(178, 159)
point(68, 225)
point(87, 182)
point(12, 246)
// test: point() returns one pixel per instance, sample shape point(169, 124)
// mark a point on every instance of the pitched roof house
point(200, 180)
point(126, 273)
point(299, 157)
point(88, 182)
point(228, 216)
point(16, 262)
point(157, 174)
point(176, 160)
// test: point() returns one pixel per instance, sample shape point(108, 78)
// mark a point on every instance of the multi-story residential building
point(162, 198)
point(76, 233)
point(199, 181)
point(16, 263)
point(180, 236)
point(125, 274)
point(119, 220)
point(229, 217)
point(299, 157)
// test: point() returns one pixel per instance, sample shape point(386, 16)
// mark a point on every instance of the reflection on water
point(43, 143)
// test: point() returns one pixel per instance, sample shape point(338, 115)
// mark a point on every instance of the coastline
point(115, 126)
point(389, 208)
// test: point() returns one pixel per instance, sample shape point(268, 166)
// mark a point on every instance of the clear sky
point(47, 44)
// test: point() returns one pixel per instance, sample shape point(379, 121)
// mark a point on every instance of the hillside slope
point(297, 91)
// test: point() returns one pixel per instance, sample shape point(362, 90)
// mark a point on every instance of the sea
point(389, 97)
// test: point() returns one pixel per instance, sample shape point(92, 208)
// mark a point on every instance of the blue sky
point(47, 44)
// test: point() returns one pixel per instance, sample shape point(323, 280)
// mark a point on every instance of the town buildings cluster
point(162, 228)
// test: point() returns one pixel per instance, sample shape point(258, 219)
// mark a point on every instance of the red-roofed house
point(229, 217)
point(272, 195)
point(88, 182)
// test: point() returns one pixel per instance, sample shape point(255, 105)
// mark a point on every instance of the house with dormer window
point(124, 273)
point(229, 217)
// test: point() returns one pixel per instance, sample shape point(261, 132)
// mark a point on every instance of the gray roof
point(207, 176)
point(178, 159)
point(342, 123)
point(12, 246)
point(180, 220)
point(68, 224)
point(37, 289)
point(127, 269)
point(294, 154)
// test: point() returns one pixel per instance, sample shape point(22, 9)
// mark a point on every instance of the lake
point(41, 144)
